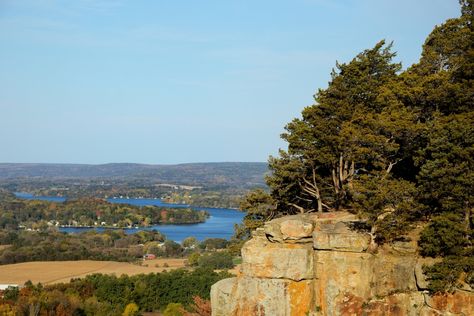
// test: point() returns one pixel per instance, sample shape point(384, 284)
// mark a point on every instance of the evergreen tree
point(348, 142)
point(395, 148)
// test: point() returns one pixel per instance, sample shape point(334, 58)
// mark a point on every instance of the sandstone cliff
point(322, 265)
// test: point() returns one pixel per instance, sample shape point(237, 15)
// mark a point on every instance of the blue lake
point(28, 196)
point(219, 225)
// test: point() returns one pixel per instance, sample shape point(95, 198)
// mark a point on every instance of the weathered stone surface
point(337, 235)
point(259, 232)
point(222, 294)
point(405, 247)
point(282, 274)
point(263, 259)
point(392, 273)
point(334, 217)
point(400, 304)
point(457, 303)
point(252, 296)
point(428, 311)
point(342, 278)
point(296, 228)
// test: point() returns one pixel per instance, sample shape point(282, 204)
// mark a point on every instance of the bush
point(190, 242)
point(216, 260)
point(130, 310)
point(445, 275)
point(444, 236)
point(214, 243)
point(172, 249)
point(173, 309)
point(193, 259)
point(237, 260)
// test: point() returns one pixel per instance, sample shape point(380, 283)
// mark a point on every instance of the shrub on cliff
point(444, 236)
point(450, 273)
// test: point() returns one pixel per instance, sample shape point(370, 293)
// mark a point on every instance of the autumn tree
point(130, 310)
point(200, 307)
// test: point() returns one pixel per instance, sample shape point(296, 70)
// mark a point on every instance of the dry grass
point(48, 272)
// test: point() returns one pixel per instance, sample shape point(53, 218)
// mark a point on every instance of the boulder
point(339, 236)
point(404, 247)
point(295, 229)
point(291, 229)
point(264, 259)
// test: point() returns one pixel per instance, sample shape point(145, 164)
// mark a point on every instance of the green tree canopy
point(395, 147)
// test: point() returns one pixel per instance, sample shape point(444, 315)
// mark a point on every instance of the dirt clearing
point(48, 272)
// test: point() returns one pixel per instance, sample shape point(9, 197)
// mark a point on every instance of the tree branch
point(299, 208)
point(389, 168)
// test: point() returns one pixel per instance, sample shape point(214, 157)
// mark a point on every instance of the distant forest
point(209, 175)
point(197, 184)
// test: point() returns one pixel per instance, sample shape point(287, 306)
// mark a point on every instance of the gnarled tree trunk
point(342, 176)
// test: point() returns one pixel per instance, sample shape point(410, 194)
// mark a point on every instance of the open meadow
point(49, 272)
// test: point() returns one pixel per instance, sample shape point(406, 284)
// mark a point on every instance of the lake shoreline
point(30, 196)
point(219, 224)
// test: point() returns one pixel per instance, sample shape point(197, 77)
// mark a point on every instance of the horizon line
point(129, 163)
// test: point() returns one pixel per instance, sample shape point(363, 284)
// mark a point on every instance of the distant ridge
point(227, 173)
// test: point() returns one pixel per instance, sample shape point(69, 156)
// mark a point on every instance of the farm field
point(49, 272)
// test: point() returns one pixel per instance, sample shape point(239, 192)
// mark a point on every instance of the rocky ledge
point(322, 264)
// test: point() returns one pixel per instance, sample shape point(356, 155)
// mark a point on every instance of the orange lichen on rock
point(459, 302)
point(301, 297)
point(350, 304)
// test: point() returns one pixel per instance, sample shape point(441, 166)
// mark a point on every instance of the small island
point(89, 212)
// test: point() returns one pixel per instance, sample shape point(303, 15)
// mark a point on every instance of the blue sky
point(98, 81)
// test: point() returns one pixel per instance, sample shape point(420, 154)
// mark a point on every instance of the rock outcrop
point(323, 264)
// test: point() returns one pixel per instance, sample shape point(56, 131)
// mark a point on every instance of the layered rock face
point(313, 264)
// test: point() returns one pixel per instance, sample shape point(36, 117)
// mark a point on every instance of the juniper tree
point(353, 131)
point(395, 148)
